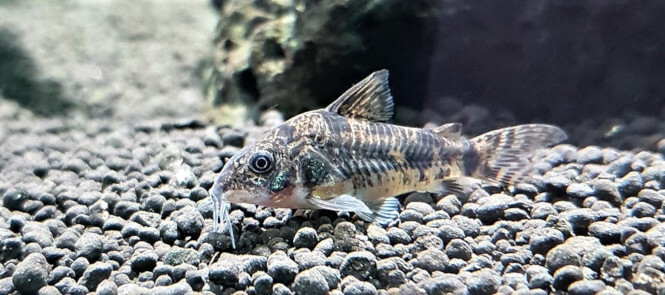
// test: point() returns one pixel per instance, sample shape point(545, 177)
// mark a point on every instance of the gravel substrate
point(116, 207)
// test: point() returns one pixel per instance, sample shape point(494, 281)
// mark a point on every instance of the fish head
point(260, 174)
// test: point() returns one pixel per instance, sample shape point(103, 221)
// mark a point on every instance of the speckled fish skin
point(347, 158)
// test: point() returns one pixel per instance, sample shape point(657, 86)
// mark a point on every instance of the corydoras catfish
point(345, 157)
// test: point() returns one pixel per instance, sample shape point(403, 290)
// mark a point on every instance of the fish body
point(347, 158)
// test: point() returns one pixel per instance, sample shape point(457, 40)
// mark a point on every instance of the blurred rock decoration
point(541, 60)
point(298, 55)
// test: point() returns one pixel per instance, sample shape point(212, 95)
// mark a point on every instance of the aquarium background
point(117, 115)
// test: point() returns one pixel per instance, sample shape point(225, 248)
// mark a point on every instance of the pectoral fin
point(382, 212)
point(341, 203)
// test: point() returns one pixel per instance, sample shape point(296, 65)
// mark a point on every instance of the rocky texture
point(302, 54)
point(548, 61)
point(129, 216)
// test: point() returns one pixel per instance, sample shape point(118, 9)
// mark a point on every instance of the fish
point(347, 157)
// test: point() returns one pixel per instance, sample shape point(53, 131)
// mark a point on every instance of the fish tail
point(503, 155)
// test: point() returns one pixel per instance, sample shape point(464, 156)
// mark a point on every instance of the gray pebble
point(281, 289)
point(398, 236)
point(95, 274)
point(305, 237)
point(36, 232)
point(377, 234)
point(431, 260)
point(579, 190)
point(606, 190)
point(189, 221)
point(195, 279)
point(178, 255)
point(458, 248)
point(482, 282)
point(470, 227)
point(47, 212)
point(125, 209)
point(281, 268)
point(310, 282)
point(30, 274)
point(144, 218)
point(449, 204)
point(325, 246)
point(361, 264)
point(586, 287)
point(565, 276)
point(107, 287)
point(630, 184)
point(79, 266)
point(542, 210)
point(515, 214)
point(168, 231)
point(420, 207)
point(448, 233)
point(262, 283)
point(590, 154)
point(360, 288)
point(224, 272)
point(594, 259)
point(411, 215)
point(445, 284)
point(163, 280)
point(144, 261)
point(90, 246)
point(49, 290)
point(606, 232)
point(491, 211)
point(178, 288)
point(643, 209)
point(58, 273)
point(307, 259)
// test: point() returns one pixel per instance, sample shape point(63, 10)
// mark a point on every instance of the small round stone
point(281, 268)
point(262, 283)
point(643, 209)
point(224, 273)
point(458, 248)
point(360, 264)
point(80, 265)
point(482, 282)
point(145, 261)
point(305, 237)
point(446, 284)
point(606, 232)
point(360, 288)
point(107, 287)
point(95, 274)
point(195, 279)
point(189, 221)
point(398, 236)
point(565, 276)
point(30, 274)
point(431, 260)
point(310, 282)
point(90, 246)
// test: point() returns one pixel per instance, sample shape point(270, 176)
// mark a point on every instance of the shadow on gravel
point(19, 80)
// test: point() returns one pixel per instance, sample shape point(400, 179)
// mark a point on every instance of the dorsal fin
point(449, 130)
point(370, 99)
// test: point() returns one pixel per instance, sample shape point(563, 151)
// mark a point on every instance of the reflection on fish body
point(347, 158)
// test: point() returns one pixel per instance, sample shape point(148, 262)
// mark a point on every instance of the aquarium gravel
point(120, 207)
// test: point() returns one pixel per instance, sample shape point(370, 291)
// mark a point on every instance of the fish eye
point(261, 162)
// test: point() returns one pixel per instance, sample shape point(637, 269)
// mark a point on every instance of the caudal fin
point(503, 155)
